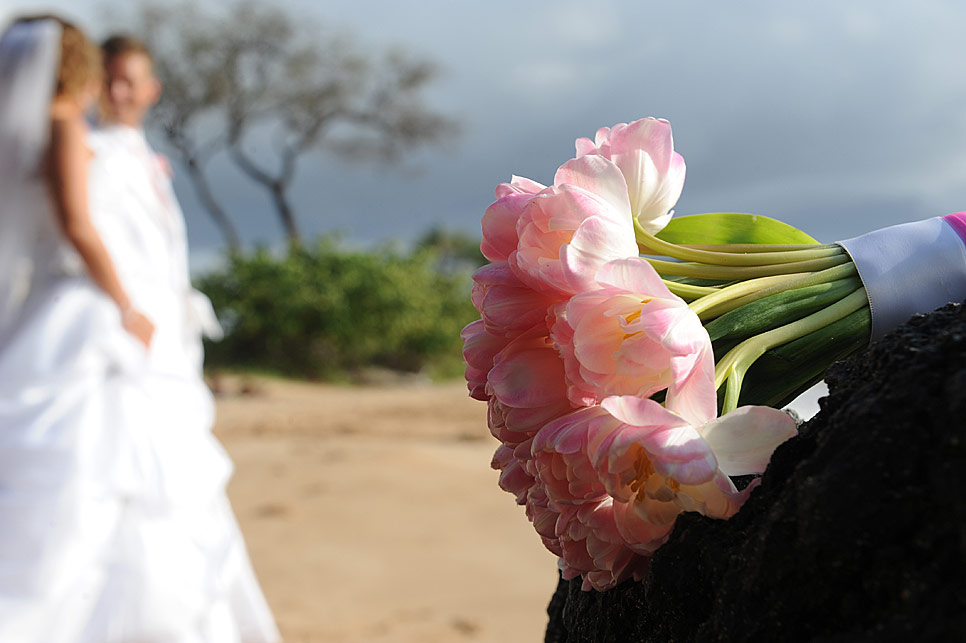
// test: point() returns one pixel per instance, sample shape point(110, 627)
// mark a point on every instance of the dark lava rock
point(857, 532)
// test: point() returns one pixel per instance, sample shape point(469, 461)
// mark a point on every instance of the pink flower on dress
point(632, 336)
point(644, 152)
point(569, 230)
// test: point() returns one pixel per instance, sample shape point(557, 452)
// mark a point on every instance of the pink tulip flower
point(479, 349)
point(579, 392)
point(508, 307)
point(564, 459)
point(592, 547)
point(527, 389)
point(569, 230)
point(543, 517)
point(644, 152)
point(514, 478)
point(584, 530)
point(656, 463)
point(561, 454)
point(619, 474)
point(500, 219)
point(631, 336)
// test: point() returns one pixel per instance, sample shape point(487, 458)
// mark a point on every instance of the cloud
point(544, 81)
point(579, 24)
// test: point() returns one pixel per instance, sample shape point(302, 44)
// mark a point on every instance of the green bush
point(324, 311)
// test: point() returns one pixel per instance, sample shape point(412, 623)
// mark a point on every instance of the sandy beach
point(371, 514)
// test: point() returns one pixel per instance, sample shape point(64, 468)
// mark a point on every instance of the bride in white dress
point(114, 524)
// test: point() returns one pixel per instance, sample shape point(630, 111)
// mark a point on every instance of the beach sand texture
point(371, 514)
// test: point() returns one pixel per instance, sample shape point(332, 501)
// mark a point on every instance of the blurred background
point(384, 127)
point(835, 117)
point(333, 160)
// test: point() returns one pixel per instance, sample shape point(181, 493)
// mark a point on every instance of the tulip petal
point(527, 378)
point(596, 242)
point(601, 177)
point(692, 394)
point(680, 453)
point(653, 171)
point(585, 146)
point(499, 225)
point(643, 413)
point(633, 274)
point(745, 439)
point(674, 447)
point(652, 135)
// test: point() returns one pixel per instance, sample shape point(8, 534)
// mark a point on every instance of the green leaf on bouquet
point(718, 228)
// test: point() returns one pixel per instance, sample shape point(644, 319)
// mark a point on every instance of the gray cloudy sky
point(837, 117)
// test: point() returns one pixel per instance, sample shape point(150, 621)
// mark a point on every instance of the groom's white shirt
point(137, 214)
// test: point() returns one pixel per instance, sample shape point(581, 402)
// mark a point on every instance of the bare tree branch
point(252, 71)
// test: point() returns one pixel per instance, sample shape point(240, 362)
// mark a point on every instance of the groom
point(135, 208)
point(168, 466)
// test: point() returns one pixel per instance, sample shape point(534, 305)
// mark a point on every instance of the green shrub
point(324, 311)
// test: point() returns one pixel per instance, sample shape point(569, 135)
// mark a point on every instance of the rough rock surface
point(857, 533)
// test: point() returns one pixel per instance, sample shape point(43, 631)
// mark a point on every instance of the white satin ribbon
point(909, 268)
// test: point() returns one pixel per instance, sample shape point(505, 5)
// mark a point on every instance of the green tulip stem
point(726, 299)
point(708, 306)
point(733, 366)
point(735, 273)
point(652, 245)
point(689, 292)
point(829, 275)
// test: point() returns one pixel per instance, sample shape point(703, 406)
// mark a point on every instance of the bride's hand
point(138, 325)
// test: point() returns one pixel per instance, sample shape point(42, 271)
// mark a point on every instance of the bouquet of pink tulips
point(632, 362)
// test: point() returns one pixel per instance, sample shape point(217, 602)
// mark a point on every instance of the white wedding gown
point(114, 523)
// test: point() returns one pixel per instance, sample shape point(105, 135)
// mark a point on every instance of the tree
point(455, 251)
point(252, 72)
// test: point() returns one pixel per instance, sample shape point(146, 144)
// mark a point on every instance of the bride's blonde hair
point(80, 60)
